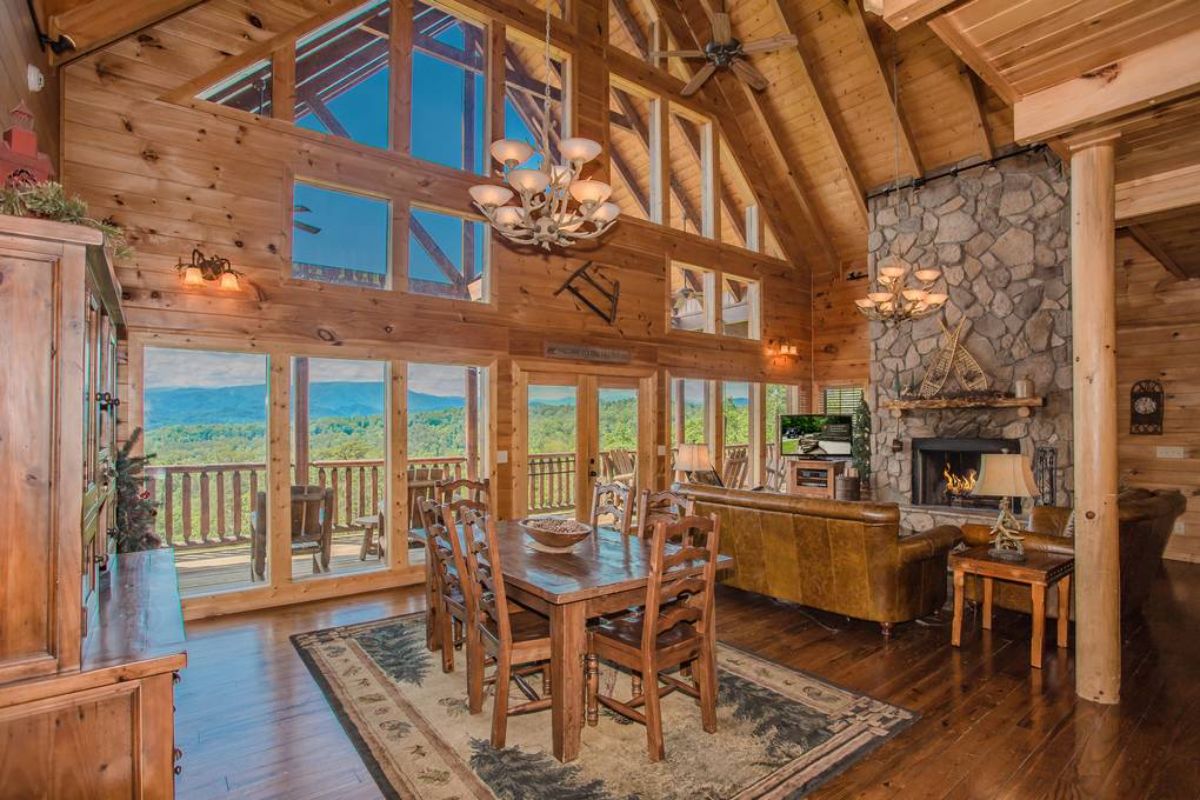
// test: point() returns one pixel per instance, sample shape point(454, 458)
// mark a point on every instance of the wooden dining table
point(607, 572)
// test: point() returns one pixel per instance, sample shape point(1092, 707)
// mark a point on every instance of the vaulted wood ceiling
point(827, 130)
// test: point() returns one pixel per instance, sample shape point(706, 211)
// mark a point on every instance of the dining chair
point(517, 643)
point(655, 507)
point(444, 549)
point(676, 627)
point(611, 499)
point(477, 491)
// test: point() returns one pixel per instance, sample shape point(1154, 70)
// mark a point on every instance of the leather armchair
point(1146, 521)
point(842, 557)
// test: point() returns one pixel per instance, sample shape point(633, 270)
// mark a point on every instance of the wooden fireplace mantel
point(1023, 405)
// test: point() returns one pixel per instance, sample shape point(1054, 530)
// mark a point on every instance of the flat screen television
point(815, 435)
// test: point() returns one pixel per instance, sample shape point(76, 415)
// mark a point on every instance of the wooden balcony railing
point(209, 505)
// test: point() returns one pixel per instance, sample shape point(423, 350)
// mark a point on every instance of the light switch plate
point(501, 456)
point(1179, 527)
point(1170, 452)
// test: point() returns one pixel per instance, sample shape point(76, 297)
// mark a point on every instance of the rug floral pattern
point(780, 732)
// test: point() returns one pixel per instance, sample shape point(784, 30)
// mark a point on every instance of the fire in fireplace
point(945, 471)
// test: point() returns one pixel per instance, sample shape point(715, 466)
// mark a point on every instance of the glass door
point(555, 464)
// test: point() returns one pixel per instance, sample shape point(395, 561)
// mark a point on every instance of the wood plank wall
point(1158, 337)
point(19, 48)
point(179, 177)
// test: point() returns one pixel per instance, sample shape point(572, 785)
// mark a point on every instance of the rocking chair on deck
point(312, 528)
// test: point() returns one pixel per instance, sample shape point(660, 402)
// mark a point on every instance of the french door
point(574, 429)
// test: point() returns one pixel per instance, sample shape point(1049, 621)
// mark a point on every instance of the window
point(689, 412)
point(248, 90)
point(740, 315)
point(736, 408)
point(340, 237)
point(690, 156)
point(738, 210)
point(631, 25)
point(841, 399)
point(447, 256)
point(447, 407)
point(342, 76)
point(449, 95)
point(524, 82)
point(631, 119)
point(339, 451)
point(770, 244)
point(205, 418)
point(690, 289)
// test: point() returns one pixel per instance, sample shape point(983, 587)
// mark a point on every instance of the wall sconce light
point(782, 348)
point(209, 268)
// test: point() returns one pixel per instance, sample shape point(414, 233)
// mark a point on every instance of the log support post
point(1093, 307)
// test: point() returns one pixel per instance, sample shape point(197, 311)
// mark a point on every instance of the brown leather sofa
point(1146, 520)
point(846, 558)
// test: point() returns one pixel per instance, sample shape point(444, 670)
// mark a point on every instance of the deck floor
point(224, 569)
point(253, 724)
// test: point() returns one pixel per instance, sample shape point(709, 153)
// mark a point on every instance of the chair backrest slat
point(476, 491)
point(682, 583)
point(655, 507)
point(442, 546)
point(485, 583)
point(611, 499)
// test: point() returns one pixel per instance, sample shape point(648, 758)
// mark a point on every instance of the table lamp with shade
point(1006, 475)
point(693, 460)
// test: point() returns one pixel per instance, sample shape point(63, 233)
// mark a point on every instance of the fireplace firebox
point(945, 470)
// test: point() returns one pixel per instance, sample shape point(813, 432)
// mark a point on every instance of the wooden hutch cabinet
point(90, 642)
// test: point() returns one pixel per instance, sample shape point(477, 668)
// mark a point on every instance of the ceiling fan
point(725, 51)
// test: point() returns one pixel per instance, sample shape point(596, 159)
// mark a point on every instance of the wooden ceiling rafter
point(688, 29)
point(827, 116)
point(1151, 245)
point(976, 101)
point(908, 143)
point(93, 24)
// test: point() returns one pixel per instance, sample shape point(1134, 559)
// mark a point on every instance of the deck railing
point(210, 505)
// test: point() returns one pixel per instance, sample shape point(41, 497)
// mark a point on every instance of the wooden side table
point(1040, 570)
point(370, 546)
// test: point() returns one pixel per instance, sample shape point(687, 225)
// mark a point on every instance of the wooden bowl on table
point(556, 533)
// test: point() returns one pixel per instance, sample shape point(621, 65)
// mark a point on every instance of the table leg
point(1039, 625)
point(1064, 610)
point(568, 645)
point(956, 630)
point(988, 588)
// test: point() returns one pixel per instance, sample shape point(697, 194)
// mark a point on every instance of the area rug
point(780, 732)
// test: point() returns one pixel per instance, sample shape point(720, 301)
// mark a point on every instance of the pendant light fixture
point(555, 205)
point(894, 299)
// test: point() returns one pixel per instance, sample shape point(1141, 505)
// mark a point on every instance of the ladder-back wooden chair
point(518, 643)
point(655, 507)
point(676, 627)
point(612, 499)
point(476, 491)
point(446, 568)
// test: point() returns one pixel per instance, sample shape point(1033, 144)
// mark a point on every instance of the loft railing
point(210, 505)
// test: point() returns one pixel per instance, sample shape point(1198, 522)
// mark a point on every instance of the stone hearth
point(1000, 237)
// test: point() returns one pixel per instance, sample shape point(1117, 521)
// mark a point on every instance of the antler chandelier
point(546, 215)
point(896, 300)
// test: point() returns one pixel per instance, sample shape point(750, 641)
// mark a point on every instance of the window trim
point(714, 291)
point(711, 318)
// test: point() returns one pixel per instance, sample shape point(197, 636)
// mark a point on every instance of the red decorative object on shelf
point(20, 159)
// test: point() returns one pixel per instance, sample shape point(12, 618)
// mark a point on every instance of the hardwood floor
point(252, 723)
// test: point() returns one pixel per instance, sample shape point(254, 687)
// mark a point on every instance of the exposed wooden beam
point(322, 113)
point(1161, 192)
point(908, 143)
point(828, 117)
point(1154, 247)
point(743, 115)
point(902, 13)
point(1139, 81)
point(629, 25)
point(953, 37)
point(977, 102)
point(439, 257)
point(92, 25)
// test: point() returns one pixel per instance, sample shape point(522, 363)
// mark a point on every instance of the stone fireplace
point(999, 235)
point(944, 471)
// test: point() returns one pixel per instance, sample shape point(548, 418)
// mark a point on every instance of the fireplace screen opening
point(945, 471)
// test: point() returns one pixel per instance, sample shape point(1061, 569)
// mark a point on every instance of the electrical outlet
point(501, 456)
point(1170, 452)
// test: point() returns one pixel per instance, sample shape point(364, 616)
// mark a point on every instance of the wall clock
point(1146, 408)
